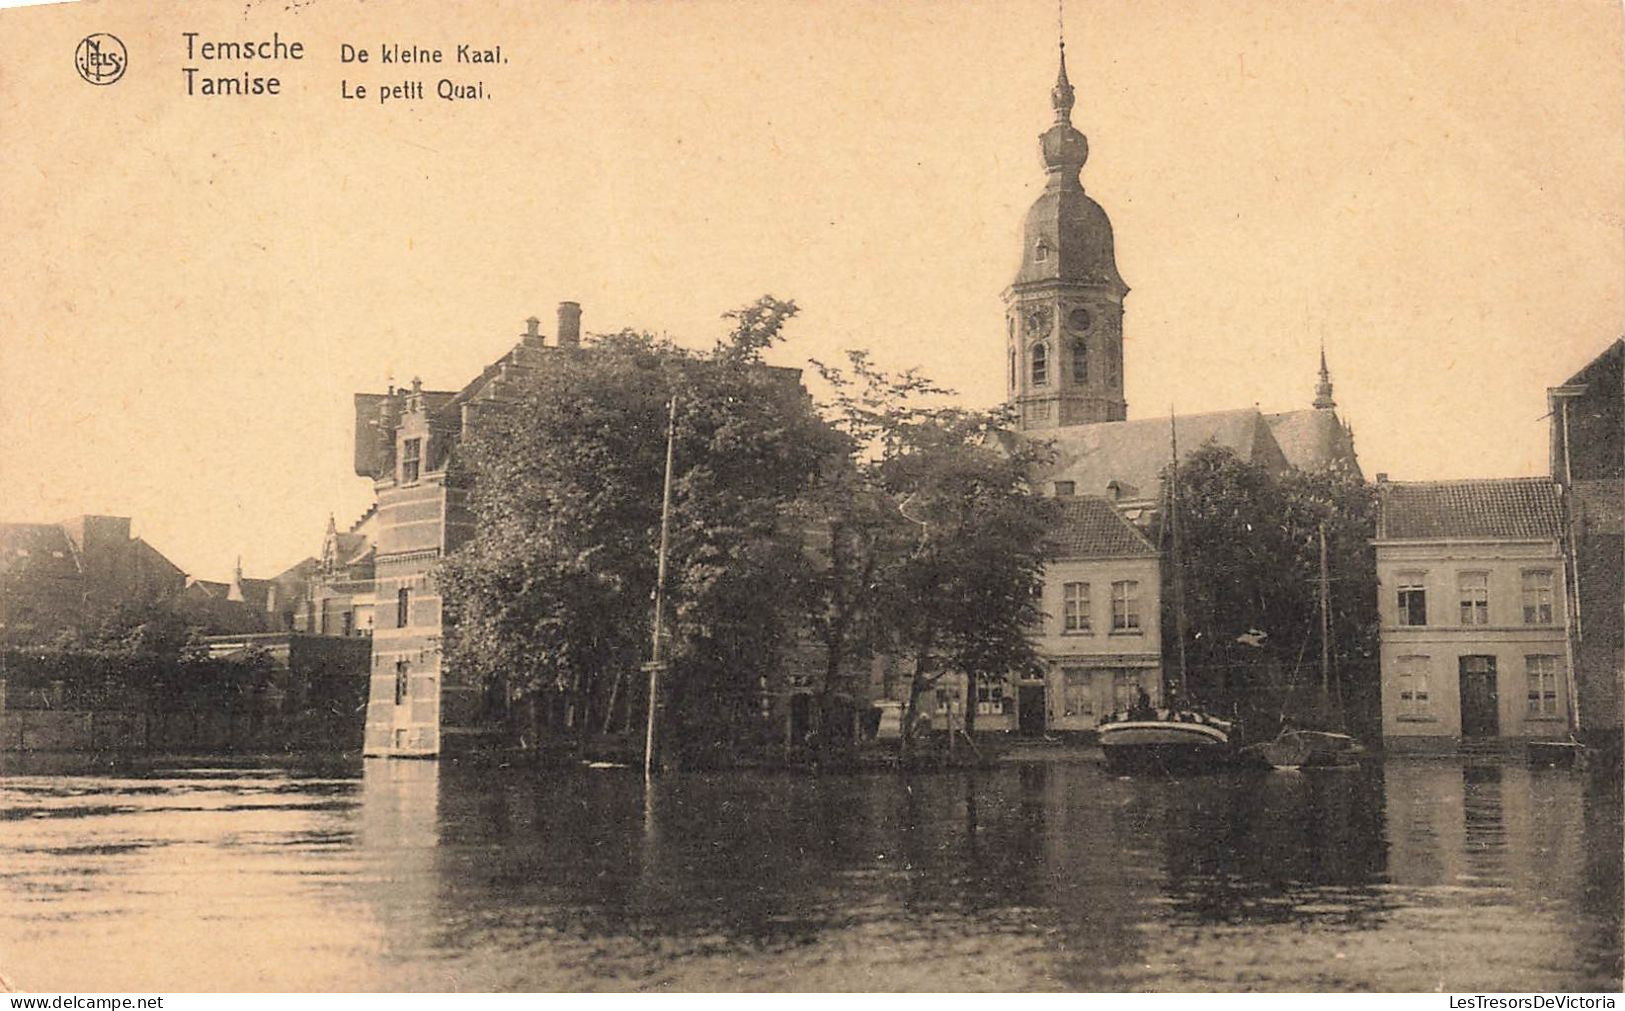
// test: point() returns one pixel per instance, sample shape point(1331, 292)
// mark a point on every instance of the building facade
point(405, 441)
point(1101, 638)
point(1588, 463)
point(1474, 611)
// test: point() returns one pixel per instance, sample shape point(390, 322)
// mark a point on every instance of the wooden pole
point(656, 657)
point(1325, 622)
point(1178, 561)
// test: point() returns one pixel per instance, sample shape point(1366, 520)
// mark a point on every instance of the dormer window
point(1040, 364)
point(1041, 251)
point(411, 460)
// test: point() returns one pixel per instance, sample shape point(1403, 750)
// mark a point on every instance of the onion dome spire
point(1063, 148)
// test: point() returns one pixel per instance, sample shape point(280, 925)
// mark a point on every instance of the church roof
point(1312, 440)
point(1091, 527)
point(1131, 455)
point(1514, 508)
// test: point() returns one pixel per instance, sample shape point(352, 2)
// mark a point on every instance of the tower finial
point(1323, 389)
point(1062, 95)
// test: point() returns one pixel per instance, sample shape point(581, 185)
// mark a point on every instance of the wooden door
point(1480, 709)
point(1030, 707)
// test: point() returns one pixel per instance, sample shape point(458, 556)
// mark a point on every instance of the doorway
point(1030, 709)
point(1480, 715)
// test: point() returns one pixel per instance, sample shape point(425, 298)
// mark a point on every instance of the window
point(1040, 364)
point(411, 460)
point(1076, 696)
point(324, 619)
point(1474, 591)
point(990, 698)
point(1413, 598)
point(349, 623)
point(1126, 606)
point(400, 681)
point(1125, 690)
point(1065, 489)
point(1537, 597)
point(1075, 607)
point(403, 607)
point(1080, 362)
point(1012, 366)
point(1542, 685)
point(1040, 251)
point(1413, 686)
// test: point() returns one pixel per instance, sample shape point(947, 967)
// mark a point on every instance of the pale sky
point(195, 287)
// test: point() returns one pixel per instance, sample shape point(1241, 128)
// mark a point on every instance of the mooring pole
point(656, 657)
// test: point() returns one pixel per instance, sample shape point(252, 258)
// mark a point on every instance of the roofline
point(1381, 542)
point(1107, 558)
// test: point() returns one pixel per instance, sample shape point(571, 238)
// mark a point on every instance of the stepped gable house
point(404, 440)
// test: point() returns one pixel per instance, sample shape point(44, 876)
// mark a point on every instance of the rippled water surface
point(1414, 875)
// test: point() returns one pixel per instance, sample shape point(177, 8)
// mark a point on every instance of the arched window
point(1012, 368)
point(1080, 362)
point(1040, 364)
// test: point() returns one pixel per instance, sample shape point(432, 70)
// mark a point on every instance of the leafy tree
point(1250, 550)
point(552, 594)
point(936, 539)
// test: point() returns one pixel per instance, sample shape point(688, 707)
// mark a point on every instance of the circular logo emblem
point(100, 58)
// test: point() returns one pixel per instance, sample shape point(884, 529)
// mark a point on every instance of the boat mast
point(1325, 623)
point(1178, 560)
point(656, 660)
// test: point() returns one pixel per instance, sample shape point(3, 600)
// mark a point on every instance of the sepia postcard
point(812, 495)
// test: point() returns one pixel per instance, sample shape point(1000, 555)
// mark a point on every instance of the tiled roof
point(1312, 440)
point(1132, 454)
point(1514, 508)
point(1091, 527)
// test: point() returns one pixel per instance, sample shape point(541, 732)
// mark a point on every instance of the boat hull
point(1165, 746)
point(1308, 749)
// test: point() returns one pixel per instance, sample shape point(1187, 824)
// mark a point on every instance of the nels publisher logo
point(100, 58)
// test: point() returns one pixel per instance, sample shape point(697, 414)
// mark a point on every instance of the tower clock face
point(1080, 319)
point(1038, 321)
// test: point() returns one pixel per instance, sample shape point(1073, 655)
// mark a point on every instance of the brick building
point(404, 442)
point(1588, 463)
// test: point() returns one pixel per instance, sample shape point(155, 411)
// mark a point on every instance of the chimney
point(569, 324)
point(533, 329)
point(1382, 478)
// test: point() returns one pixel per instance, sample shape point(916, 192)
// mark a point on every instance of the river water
point(1411, 875)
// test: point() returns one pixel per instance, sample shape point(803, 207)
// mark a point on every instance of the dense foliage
point(1250, 549)
point(551, 598)
point(886, 524)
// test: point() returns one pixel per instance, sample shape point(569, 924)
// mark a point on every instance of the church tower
point(1064, 313)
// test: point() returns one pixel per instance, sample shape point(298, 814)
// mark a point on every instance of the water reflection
point(417, 875)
